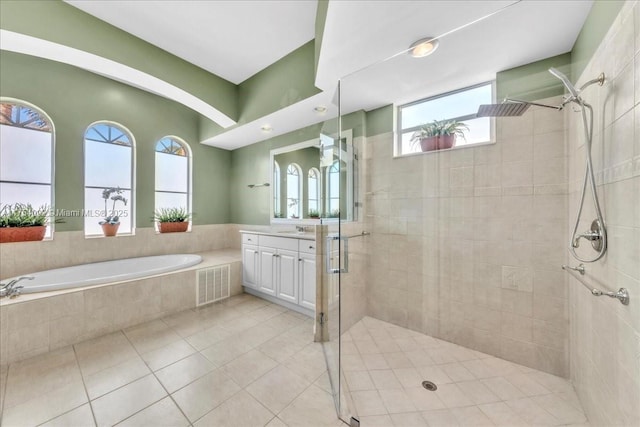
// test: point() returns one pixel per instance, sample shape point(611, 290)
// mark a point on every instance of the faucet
point(12, 289)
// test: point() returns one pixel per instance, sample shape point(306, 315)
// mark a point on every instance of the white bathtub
point(105, 272)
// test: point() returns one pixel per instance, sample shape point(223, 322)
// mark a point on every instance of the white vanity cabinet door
point(267, 278)
point(307, 280)
point(287, 275)
point(250, 266)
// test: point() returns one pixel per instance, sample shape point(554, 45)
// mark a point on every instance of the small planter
point(173, 227)
point(110, 230)
point(22, 234)
point(439, 142)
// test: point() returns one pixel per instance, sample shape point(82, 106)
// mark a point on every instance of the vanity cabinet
point(280, 269)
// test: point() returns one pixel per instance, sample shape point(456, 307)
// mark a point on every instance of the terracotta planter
point(439, 142)
point(173, 227)
point(110, 230)
point(22, 234)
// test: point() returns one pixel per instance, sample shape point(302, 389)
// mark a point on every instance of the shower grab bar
point(328, 252)
point(622, 295)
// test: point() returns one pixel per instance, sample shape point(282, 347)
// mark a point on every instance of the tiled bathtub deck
point(384, 366)
point(245, 362)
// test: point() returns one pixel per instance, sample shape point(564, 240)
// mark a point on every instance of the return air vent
point(213, 284)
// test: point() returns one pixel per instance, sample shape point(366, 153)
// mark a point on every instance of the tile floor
point(384, 366)
point(247, 362)
point(242, 362)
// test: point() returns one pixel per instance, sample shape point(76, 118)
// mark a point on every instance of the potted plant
point(171, 220)
point(314, 213)
point(111, 221)
point(438, 135)
point(23, 223)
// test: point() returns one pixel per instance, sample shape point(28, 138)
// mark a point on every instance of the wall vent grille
point(213, 284)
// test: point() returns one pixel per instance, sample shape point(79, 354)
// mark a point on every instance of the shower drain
point(429, 385)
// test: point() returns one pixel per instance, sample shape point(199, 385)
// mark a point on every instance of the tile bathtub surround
point(72, 248)
point(605, 335)
point(467, 245)
point(34, 326)
point(151, 375)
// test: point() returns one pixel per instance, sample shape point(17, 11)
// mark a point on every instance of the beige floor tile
point(397, 360)
point(81, 416)
point(257, 335)
point(376, 421)
point(424, 400)
point(165, 356)
point(164, 413)
point(240, 409)
point(185, 323)
point(477, 392)
point(441, 356)
point(314, 407)
point(277, 388)
point(440, 418)
point(207, 337)
point(126, 401)
point(238, 325)
point(185, 371)
point(309, 362)
point(204, 394)
point(478, 368)
point(359, 380)
point(471, 416)
point(410, 419)
point(225, 351)
point(531, 412)
point(276, 422)
point(408, 377)
point(396, 401)
point(419, 358)
point(452, 396)
point(354, 362)
point(281, 347)
point(457, 372)
point(384, 379)
point(526, 385)
point(501, 414)
point(249, 367)
point(112, 378)
point(104, 352)
point(560, 409)
point(434, 374)
point(374, 361)
point(502, 388)
point(45, 407)
point(368, 402)
point(324, 382)
point(151, 336)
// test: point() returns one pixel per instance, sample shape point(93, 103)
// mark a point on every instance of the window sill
point(446, 150)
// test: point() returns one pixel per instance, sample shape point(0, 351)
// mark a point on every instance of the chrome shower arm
point(537, 104)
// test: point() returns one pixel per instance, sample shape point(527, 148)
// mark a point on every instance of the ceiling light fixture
point(423, 47)
point(320, 109)
point(266, 128)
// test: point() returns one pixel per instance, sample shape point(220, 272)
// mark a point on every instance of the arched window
point(277, 209)
point(314, 191)
point(333, 189)
point(173, 174)
point(26, 155)
point(108, 177)
point(294, 190)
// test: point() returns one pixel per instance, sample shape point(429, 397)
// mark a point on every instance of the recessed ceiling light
point(423, 47)
point(320, 109)
point(266, 128)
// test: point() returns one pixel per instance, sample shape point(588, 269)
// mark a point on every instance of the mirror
point(313, 181)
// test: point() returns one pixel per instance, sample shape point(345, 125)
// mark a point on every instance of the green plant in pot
point(21, 222)
point(438, 135)
point(313, 213)
point(172, 220)
point(111, 221)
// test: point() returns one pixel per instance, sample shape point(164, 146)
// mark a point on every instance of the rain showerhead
point(507, 109)
point(565, 80)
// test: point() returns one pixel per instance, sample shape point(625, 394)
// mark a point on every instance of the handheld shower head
point(565, 80)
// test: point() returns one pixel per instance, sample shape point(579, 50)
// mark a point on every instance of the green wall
point(75, 98)
point(321, 18)
point(533, 81)
point(58, 22)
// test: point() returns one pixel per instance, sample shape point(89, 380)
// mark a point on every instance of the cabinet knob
point(255, 252)
point(311, 247)
point(249, 240)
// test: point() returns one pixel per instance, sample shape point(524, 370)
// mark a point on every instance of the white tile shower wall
point(72, 248)
point(467, 245)
point(605, 335)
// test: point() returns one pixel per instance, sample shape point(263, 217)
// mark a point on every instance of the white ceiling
point(359, 35)
point(232, 39)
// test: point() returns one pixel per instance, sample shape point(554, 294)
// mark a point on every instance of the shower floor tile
point(385, 384)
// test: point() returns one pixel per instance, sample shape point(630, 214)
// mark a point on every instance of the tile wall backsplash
point(467, 245)
point(605, 335)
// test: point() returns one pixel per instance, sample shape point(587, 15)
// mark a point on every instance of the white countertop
point(291, 234)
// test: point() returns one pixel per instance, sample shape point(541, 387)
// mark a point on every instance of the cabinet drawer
point(307, 246)
point(279, 242)
point(250, 239)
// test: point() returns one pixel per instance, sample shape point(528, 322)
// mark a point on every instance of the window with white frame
point(26, 156)
point(333, 189)
point(173, 174)
point(108, 177)
point(277, 210)
point(313, 182)
point(294, 190)
point(460, 105)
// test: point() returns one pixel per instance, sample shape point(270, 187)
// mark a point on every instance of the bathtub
point(105, 272)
